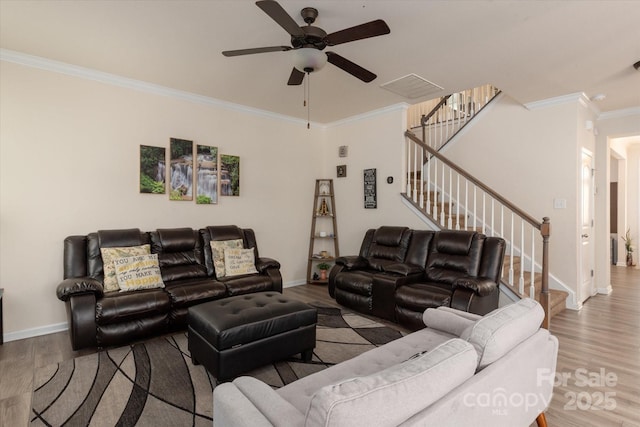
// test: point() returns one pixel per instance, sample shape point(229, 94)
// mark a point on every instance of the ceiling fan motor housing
point(313, 37)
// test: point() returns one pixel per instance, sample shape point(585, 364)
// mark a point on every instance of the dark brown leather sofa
point(400, 272)
point(98, 318)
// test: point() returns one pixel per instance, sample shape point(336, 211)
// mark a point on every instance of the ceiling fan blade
point(351, 68)
point(359, 32)
point(282, 18)
point(255, 50)
point(296, 77)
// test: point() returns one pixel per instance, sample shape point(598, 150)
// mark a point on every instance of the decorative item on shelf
point(324, 188)
point(324, 208)
point(324, 254)
point(628, 245)
point(323, 234)
point(323, 267)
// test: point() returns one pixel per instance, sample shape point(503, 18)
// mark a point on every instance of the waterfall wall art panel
point(181, 173)
point(152, 169)
point(229, 175)
point(206, 175)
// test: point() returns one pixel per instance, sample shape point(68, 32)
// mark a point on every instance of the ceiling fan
point(309, 41)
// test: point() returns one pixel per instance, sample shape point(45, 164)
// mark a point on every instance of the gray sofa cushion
point(373, 399)
point(446, 321)
point(501, 330)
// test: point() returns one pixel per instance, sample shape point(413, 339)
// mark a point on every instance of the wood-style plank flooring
point(603, 340)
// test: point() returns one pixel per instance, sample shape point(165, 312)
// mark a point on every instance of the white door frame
point(586, 227)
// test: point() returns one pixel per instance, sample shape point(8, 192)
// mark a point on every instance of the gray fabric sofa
point(462, 370)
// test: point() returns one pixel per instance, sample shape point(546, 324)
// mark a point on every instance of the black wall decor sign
point(370, 196)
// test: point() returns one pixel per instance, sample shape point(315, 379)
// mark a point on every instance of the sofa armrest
point(447, 321)
point(482, 286)
point(404, 269)
point(79, 285)
point(263, 264)
point(249, 402)
point(352, 262)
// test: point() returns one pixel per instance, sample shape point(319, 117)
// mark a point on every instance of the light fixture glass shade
point(308, 59)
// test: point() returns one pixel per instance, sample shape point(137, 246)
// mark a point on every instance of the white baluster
point(511, 243)
point(484, 213)
point(532, 289)
point(408, 167)
point(415, 172)
point(442, 212)
point(450, 221)
point(436, 191)
point(458, 202)
point(521, 283)
point(429, 185)
point(466, 203)
point(421, 178)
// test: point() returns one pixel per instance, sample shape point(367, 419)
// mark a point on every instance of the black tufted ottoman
point(236, 334)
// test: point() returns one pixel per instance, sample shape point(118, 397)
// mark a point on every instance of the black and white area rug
point(155, 384)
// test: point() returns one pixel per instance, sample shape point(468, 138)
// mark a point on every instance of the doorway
point(587, 250)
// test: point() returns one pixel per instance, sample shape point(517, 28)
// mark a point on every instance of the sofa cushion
point(357, 282)
point(420, 296)
point(501, 330)
point(109, 254)
point(389, 243)
point(447, 321)
point(454, 254)
point(179, 253)
point(239, 261)
point(138, 272)
point(185, 293)
point(416, 383)
point(246, 284)
point(217, 253)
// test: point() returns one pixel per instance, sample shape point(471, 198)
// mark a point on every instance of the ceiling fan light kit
point(308, 59)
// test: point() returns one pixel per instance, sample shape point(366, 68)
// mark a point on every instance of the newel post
point(545, 231)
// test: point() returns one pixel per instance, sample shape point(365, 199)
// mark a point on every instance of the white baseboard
point(35, 332)
point(60, 327)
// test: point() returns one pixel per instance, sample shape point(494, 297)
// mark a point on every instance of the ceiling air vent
point(412, 86)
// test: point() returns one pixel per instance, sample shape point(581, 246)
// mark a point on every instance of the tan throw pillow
point(138, 272)
point(217, 253)
point(109, 254)
point(239, 261)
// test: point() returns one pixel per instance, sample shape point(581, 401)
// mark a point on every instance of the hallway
point(598, 371)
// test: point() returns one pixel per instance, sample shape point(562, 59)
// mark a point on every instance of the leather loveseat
point(186, 263)
point(400, 272)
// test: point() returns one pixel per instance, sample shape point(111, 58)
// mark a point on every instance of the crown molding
point(403, 106)
point(138, 85)
point(633, 111)
point(579, 97)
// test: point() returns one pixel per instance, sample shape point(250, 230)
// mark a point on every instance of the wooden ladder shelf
point(323, 232)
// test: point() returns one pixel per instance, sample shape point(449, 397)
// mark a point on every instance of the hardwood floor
point(603, 339)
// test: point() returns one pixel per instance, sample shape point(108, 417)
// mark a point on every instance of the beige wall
point(70, 161)
point(374, 142)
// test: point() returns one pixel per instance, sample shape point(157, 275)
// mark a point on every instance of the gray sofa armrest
point(262, 264)
point(248, 402)
point(78, 285)
point(480, 285)
point(352, 262)
point(447, 321)
point(404, 269)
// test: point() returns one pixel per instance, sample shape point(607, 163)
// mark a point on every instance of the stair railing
point(441, 119)
point(455, 199)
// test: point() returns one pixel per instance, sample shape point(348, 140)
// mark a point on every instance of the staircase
point(451, 198)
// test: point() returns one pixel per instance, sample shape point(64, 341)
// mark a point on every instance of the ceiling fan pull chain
point(308, 98)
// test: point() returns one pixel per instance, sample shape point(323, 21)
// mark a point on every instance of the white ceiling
point(532, 50)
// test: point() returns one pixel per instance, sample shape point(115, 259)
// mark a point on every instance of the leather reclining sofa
point(99, 318)
point(400, 272)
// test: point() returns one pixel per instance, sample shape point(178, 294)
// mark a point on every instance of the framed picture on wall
point(206, 175)
point(341, 171)
point(181, 172)
point(152, 169)
point(229, 175)
point(370, 189)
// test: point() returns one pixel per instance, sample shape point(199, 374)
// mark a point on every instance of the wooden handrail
point(475, 181)
point(425, 117)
